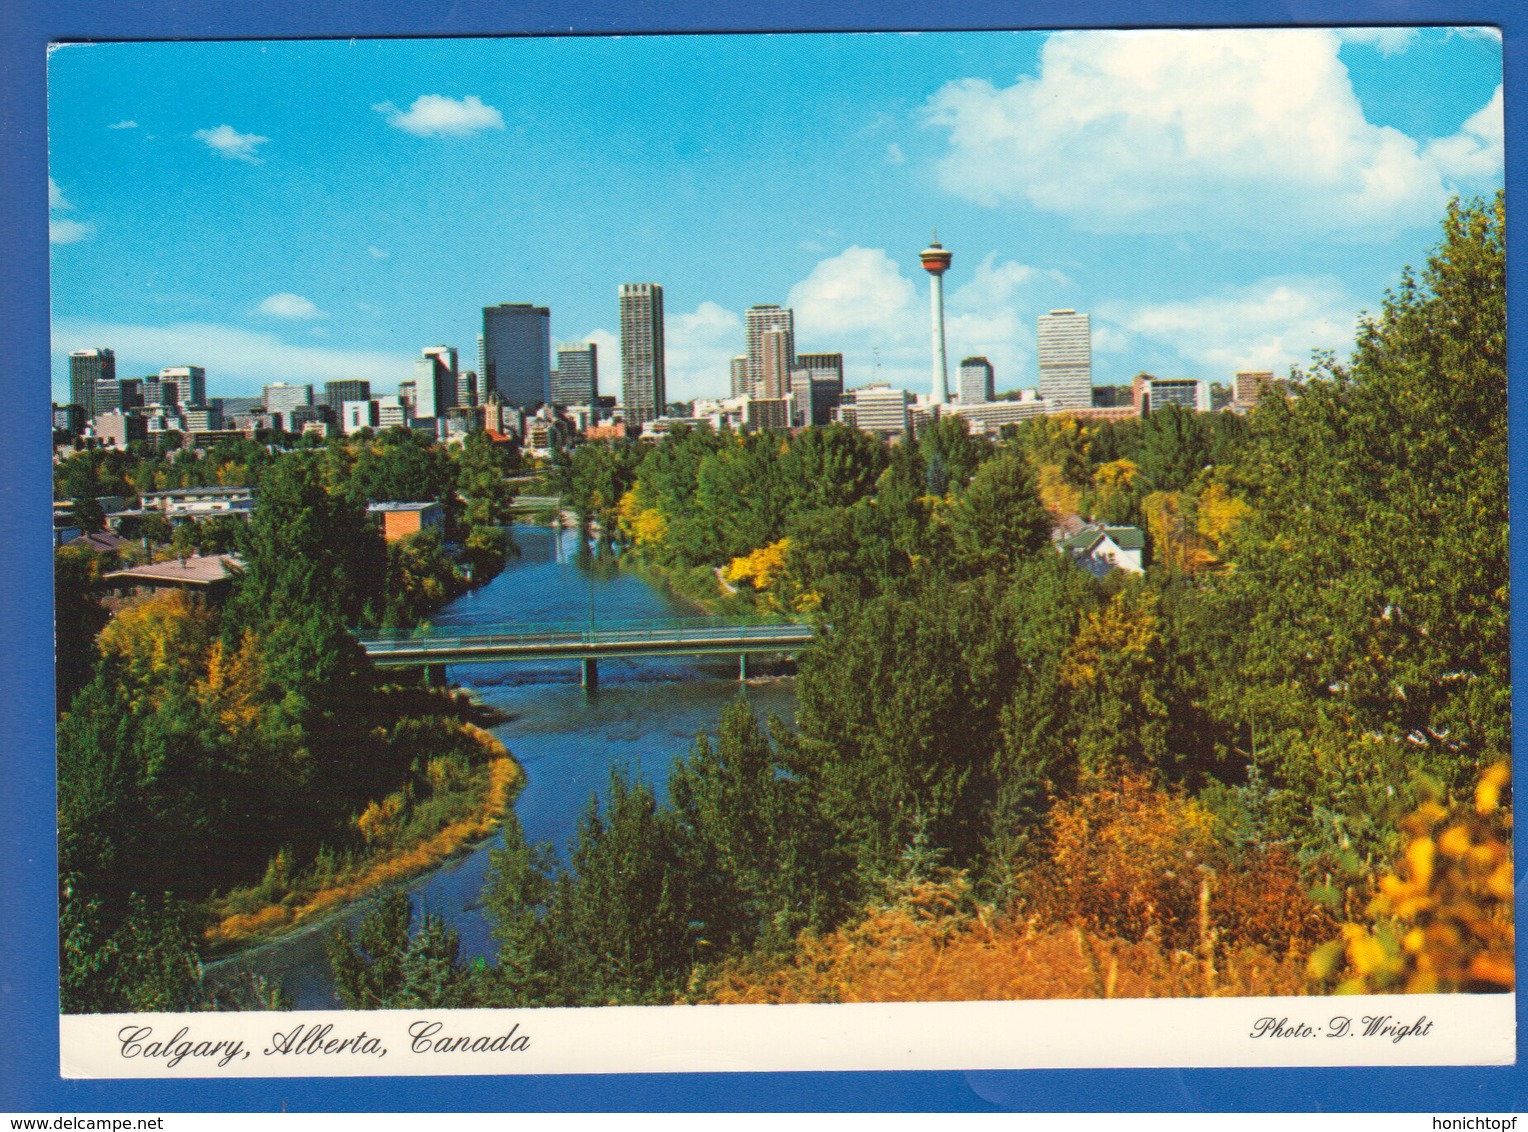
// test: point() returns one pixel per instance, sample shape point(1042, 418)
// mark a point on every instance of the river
point(645, 714)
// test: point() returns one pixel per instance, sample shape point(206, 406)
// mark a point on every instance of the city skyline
point(1231, 255)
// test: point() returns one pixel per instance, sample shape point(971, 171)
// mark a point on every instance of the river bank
point(467, 813)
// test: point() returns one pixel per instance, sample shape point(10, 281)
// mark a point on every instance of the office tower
point(826, 375)
point(161, 391)
point(69, 419)
point(976, 386)
point(86, 367)
point(280, 399)
point(435, 379)
point(1066, 359)
point(1250, 385)
point(775, 360)
point(936, 261)
point(467, 386)
point(739, 373)
point(577, 379)
point(358, 414)
point(516, 354)
point(190, 383)
point(336, 393)
point(117, 395)
point(883, 410)
point(643, 381)
point(392, 412)
point(760, 318)
point(1158, 392)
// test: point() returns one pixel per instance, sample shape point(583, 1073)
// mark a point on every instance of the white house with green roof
point(1099, 549)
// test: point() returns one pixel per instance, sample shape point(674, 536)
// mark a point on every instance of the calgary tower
point(936, 261)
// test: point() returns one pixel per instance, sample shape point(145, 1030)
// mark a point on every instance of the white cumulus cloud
point(435, 115)
point(699, 348)
point(1234, 131)
point(230, 143)
point(61, 229)
point(859, 290)
point(1387, 41)
point(288, 305)
point(125, 124)
point(378, 253)
point(860, 303)
point(1270, 324)
point(1476, 150)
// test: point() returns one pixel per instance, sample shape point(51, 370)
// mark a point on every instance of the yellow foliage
point(928, 952)
point(1220, 512)
point(1176, 540)
point(1125, 630)
point(234, 684)
point(1057, 494)
point(763, 567)
point(165, 636)
point(1442, 920)
point(647, 526)
point(1116, 474)
point(378, 820)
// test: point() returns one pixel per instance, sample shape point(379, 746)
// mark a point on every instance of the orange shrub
point(899, 954)
point(1130, 860)
point(1442, 919)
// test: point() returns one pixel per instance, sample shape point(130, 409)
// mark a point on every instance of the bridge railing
point(447, 637)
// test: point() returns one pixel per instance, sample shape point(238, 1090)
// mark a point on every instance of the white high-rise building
point(760, 318)
point(190, 383)
point(435, 379)
point(280, 399)
point(644, 392)
point(1066, 360)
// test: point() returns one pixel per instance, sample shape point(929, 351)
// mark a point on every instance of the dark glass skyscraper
point(576, 381)
point(86, 367)
point(336, 393)
point(517, 354)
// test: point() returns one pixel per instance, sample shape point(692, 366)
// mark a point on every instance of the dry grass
point(918, 951)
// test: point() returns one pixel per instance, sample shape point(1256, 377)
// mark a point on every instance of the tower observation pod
point(936, 261)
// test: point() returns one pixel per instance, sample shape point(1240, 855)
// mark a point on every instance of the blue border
point(29, 1078)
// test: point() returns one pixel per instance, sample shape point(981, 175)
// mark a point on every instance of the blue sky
point(306, 211)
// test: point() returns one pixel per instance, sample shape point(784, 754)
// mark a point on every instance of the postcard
point(738, 553)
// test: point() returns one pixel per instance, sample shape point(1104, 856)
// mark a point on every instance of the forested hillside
point(1274, 762)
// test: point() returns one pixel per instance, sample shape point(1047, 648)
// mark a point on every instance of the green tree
point(1365, 617)
point(998, 520)
point(386, 966)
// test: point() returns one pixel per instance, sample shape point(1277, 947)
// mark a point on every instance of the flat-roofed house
point(399, 520)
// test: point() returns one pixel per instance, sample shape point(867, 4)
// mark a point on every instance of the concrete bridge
point(694, 636)
point(526, 504)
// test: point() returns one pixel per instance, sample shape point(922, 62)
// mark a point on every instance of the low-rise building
point(200, 502)
point(210, 576)
point(400, 520)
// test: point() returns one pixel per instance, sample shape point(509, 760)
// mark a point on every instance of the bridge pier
point(742, 666)
point(589, 676)
point(435, 676)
